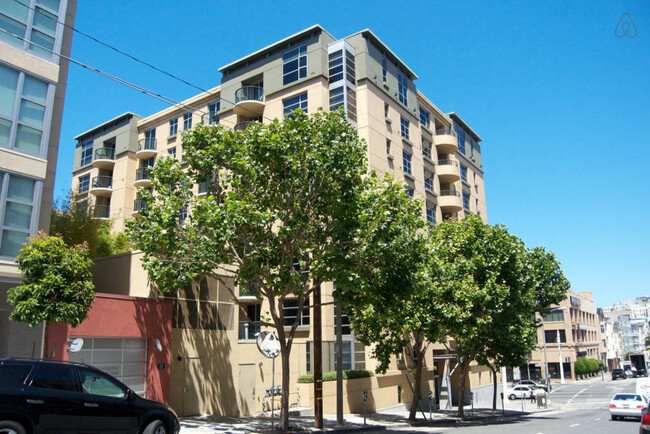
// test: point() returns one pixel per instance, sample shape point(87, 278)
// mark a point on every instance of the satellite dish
point(75, 345)
point(157, 344)
point(268, 344)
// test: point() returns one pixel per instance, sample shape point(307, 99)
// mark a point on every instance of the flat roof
point(182, 106)
point(103, 124)
point(368, 32)
point(276, 44)
point(458, 119)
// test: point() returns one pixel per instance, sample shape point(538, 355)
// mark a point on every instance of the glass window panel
point(15, 10)
point(45, 21)
point(14, 27)
point(35, 90)
point(18, 215)
point(8, 84)
point(50, 4)
point(95, 383)
point(28, 139)
point(5, 130)
point(31, 113)
point(11, 242)
point(21, 189)
point(43, 40)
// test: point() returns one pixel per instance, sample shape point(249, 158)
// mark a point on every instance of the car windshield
point(627, 397)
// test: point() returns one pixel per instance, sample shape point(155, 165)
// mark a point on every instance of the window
point(426, 149)
point(460, 133)
point(39, 28)
point(173, 127)
point(384, 68)
point(349, 67)
point(551, 336)
point(401, 81)
point(290, 311)
point(308, 355)
point(557, 315)
point(17, 203)
point(385, 110)
point(428, 180)
point(213, 110)
point(404, 127)
point(182, 214)
point(296, 102)
point(424, 117)
point(388, 146)
point(466, 200)
point(337, 99)
point(24, 111)
point(406, 161)
point(84, 183)
point(172, 151)
point(96, 383)
point(55, 377)
point(294, 64)
point(86, 152)
point(336, 66)
point(431, 213)
point(463, 172)
point(187, 121)
point(346, 350)
point(409, 191)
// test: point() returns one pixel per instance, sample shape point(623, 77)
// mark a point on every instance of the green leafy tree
point(279, 213)
point(384, 289)
point(73, 222)
point(57, 283)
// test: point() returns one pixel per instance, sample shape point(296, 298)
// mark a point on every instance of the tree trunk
point(418, 377)
point(284, 400)
point(461, 392)
point(494, 394)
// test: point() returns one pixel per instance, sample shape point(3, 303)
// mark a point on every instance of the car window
point(96, 383)
point(14, 373)
point(58, 377)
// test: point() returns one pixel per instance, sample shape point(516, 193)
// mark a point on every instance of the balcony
point(446, 141)
point(249, 101)
point(146, 148)
point(241, 126)
point(248, 330)
point(102, 186)
point(104, 158)
point(139, 205)
point(100, 212)
point(142, 177)
point(209, 119)
point(450, 201)
point(448, 170)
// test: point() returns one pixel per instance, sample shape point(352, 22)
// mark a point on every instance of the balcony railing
point(248, 330)
point(447, 162)
point(101, 211)
point(105, 154)
point(249, 93)
point(449, 193)
point(142, 173)
point(241, 126)
point(148, 144)
point(445, 131)
point(102, 182)
point(139, 205)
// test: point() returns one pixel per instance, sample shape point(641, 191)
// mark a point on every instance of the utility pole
point(559, 343)
point(318, 358)
point(339, 363)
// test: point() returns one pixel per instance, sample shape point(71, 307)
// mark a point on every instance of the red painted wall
point(122, 316)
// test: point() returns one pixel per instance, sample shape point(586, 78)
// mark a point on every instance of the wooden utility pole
point(318, 359)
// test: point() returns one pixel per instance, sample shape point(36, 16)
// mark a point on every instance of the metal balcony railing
point(148, 144)
point(249, 93)
point(105, 154)
point(248, 330)
point(101, 211)
point(447, 162)
point(449, 193)
point(445, 131)
point(139, 205)
point(142, 173)
point(102, 182)
point(241, 126)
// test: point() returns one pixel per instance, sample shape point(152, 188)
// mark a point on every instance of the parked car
point(645, 423)
point(41, 396)
point(532, 384)
point(627, 405)
point(618, 373)
point(524, 392)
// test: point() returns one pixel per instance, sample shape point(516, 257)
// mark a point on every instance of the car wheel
point(11, 427)
point(512, 397)
point(156, 427)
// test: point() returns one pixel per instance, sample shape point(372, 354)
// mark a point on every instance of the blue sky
point(560, 102)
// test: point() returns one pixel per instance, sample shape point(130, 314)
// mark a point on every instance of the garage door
point(123, 358)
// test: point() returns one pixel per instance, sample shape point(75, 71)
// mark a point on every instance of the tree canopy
point(57, 283)
point(278, 213)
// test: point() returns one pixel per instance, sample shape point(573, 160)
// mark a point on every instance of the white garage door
point(123, 358)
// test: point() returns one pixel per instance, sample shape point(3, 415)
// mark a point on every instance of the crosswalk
point(590, 394)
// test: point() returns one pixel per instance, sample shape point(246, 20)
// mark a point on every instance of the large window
point(406, 161)
point(290, 310)
point(294, 64)
point(296, 102)
point(17, 204)
point(551, 336)
point(34, 22)
point(463, 172)
point(426, 148)
point(431, 213)
point(556, 315)
point(466, 200)
point(187, 121)
point(428, 180)
point(173, 127)
point(84, 183)
point(401, 81)
point(24, 111)
point(460, 133)
point(86, 152)
point(213, 110)
point(384, 68)
point(404, 127)
point(336, 66)
point(424, 117)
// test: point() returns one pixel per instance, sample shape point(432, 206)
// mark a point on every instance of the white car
point(516, 392)
point(627, 405)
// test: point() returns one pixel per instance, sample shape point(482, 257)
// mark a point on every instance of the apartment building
point(436, 154)
point(570, 331)
point(33, 80)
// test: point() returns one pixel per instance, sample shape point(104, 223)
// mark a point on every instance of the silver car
point(627, 405)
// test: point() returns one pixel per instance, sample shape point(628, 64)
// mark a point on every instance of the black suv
point(618, 373)
point(43, 396)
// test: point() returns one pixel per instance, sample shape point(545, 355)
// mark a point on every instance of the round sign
point(268, 344)
point(75, 345)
